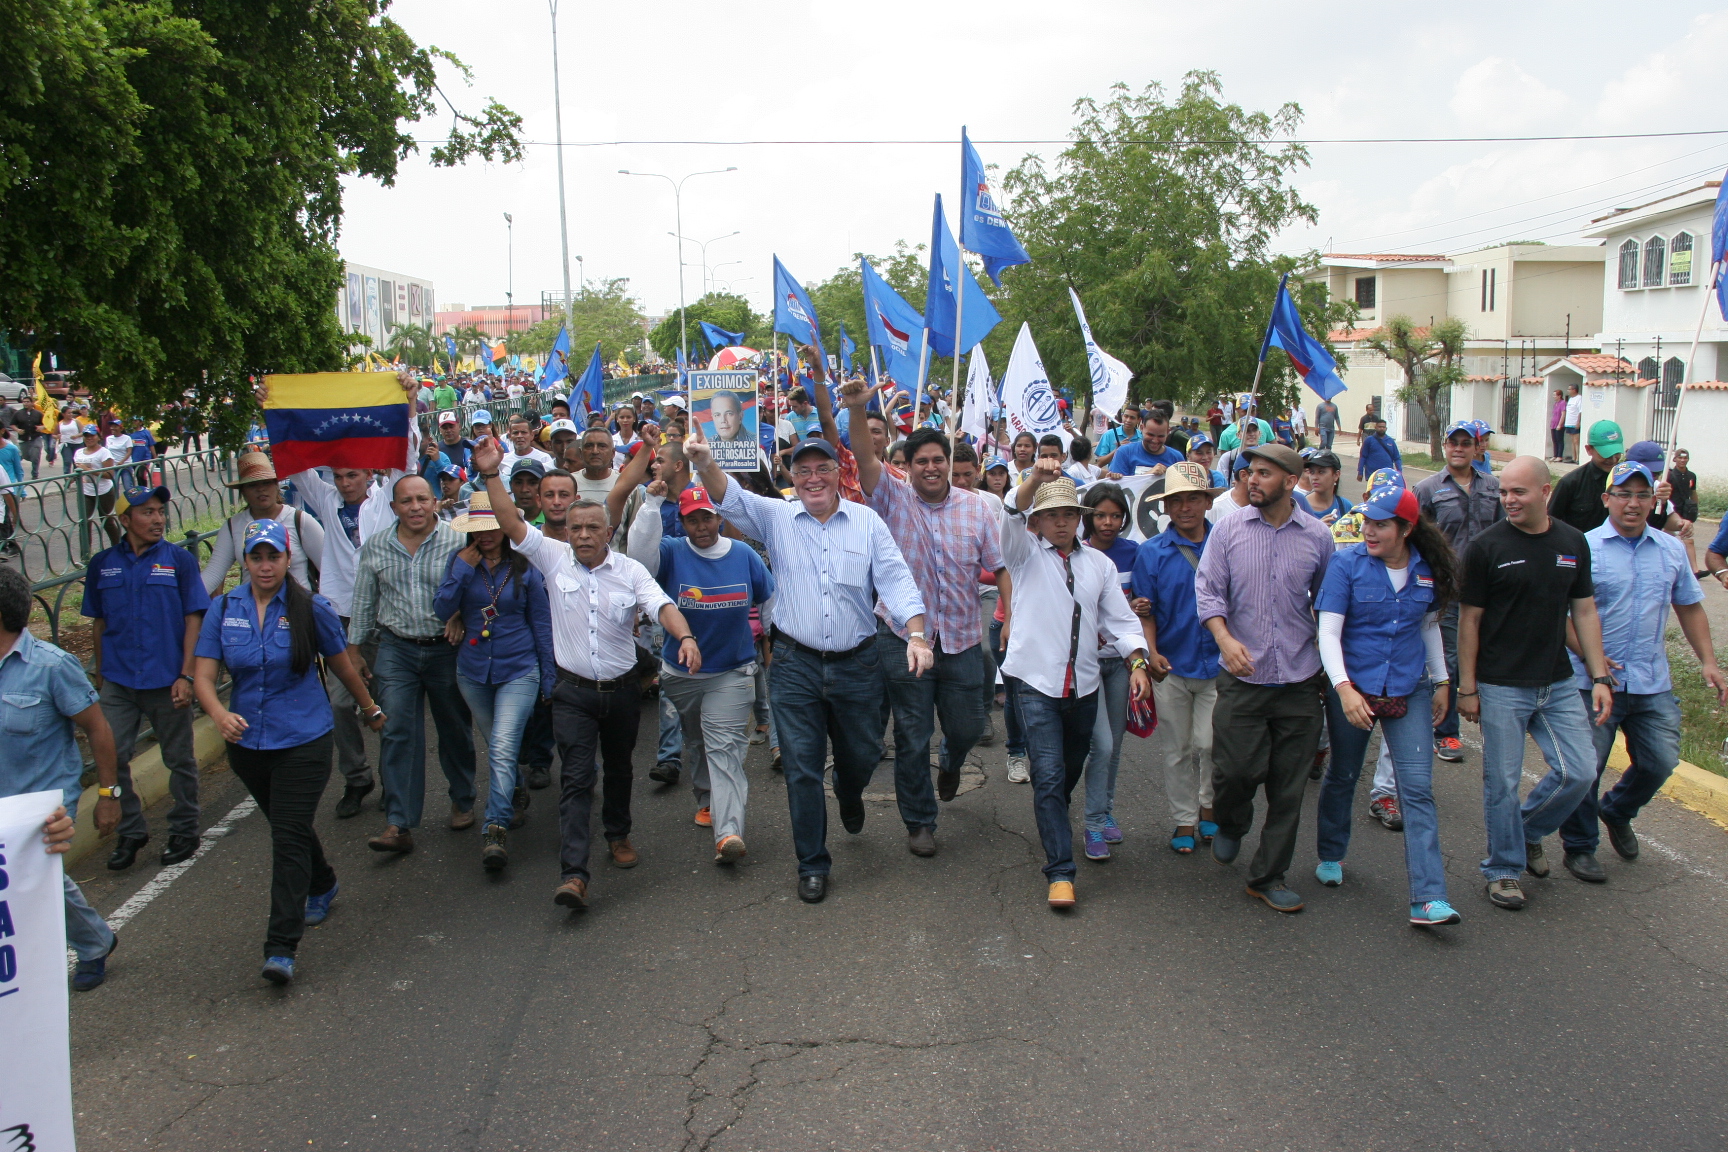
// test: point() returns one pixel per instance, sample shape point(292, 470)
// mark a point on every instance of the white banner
point(35, 1052)
point(1029, 404)
point(1145, 520)
point(975, 418)
point(1110, 376)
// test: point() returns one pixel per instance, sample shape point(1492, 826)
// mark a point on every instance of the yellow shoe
point(1062, 894)
point(704, 818)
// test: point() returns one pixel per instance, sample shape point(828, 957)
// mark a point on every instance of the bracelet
point(376, 710)
point(487, 475)
point(1470, 693)
point(690, 637)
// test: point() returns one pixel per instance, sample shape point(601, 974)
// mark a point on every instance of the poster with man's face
point(724, 405)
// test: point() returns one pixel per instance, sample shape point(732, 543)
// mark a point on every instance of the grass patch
point(1703, 722)
point(1712, 501)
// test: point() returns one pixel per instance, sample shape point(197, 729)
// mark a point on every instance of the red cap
point(695, 499)
point(636, 447)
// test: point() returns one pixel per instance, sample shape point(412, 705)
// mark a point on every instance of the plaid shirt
point(946, 545)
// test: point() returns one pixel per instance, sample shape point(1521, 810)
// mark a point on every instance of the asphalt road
point(930, 1004)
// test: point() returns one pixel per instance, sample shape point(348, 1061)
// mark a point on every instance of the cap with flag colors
point(336, 419)
point(982, 228)
point(1315, 364)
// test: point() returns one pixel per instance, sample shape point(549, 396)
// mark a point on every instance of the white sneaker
point(1019, 770)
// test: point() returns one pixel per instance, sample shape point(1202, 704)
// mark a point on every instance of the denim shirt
point(281, 710)
point(41, 689)
point(1636, 580)
point(521, 632)
point(1163, 575)
point(143, 602)
point(1382, 641)
point(1460, 515)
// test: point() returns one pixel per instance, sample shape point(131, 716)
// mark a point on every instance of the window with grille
point(1629, 264)
point(1649, 369)
point(1673, 371)
point(1365, 291)
point(1655, 262)
point(1680, 259)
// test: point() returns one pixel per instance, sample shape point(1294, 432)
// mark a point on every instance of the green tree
point(1160, 214)
point(721, 309)
point(171, 183)
point(1432, 359)
point(840, 298)
point(604, 311)
point(413, 343)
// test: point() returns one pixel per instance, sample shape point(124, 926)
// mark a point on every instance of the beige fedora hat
point(252, 467)
point(1058, 493)
point(478, 516)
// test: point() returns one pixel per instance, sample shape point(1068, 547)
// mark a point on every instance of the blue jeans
point(1107, 732)
point(1449, 643)
point(818, 702)
point(950, 688)
point(762, 709)
point(87, 934)
point(1556, 719)
point(1652, 726)
point(1058, 738)
point(670, 749)
point(1413, 759)
point(502, 711)
point(1327, 435)
point(405, 678)
point(1014, 733)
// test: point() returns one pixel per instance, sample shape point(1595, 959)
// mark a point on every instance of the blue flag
point(719, 338)
point(557, 361)
point(590, 387)
point(982, 228)
point(945, 267)
point(1319, 370)
point(450, 347)
point(847, 347)
point(485, 356)
point(891, 325)
point(793, 312)
point(1719, 246)
point(683, 381)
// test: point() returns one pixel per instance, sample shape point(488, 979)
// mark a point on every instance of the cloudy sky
point(776, 70)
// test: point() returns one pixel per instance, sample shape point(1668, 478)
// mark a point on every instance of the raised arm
point(635, 470)
point(824, 405)
point(855, 395)
point(488, 455)
point(646, 530)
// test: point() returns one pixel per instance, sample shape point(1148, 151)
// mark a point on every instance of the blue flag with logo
point(450, 347)
point(793, 312)
point(982, 227)
point(591, 387)
point(1719, 246)
point(719, 338)
point(1319, 370)
point(945, 268)
point(891, 325)
point(557, 361)
point(847, 347)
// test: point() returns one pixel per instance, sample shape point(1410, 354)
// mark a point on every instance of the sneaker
point(1451, 750)
point(760, 735)
point(1112, 834)
point(776, 764)
point(494, 854)
point(1536, 861)
point(1506, 894)
point(1433, 912)
point(1278, 898)
point(1096, 848)
point(704, 817)
point(1330, 872)
point(729, 850)
point(1019, 770)
point(318, 907)
point(278, 969)
point(1385, 810)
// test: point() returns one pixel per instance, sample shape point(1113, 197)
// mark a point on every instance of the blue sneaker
point(318, 907)
point(1112, 834)
point(1096, 848)
point(1330, 872)
point(1432, 912)
point(91, 973)
point(278, 969)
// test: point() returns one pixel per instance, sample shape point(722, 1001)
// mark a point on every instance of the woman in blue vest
point(1380, 643)
point(269, 631)
point(504, 662)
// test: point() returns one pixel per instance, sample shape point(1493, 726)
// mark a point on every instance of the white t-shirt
point(71, 432)
point(119, 446)
point(596, 490)
point(1574, 409)
point(511, 456)
point(94, 460)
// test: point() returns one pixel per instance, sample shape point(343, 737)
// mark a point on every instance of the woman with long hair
point(1379, 612)
point(1024, 450)
point(270, 632)
point(1103, 524)
point(504, 661)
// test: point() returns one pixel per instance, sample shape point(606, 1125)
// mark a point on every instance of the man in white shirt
point(597, 478)
point(595, 595)
point(255, 477)
point(1052, 652)
point(521, 446)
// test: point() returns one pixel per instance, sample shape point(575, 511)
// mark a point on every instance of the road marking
point(160, 882)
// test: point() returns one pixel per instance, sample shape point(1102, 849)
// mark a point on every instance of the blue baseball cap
point(481, 416)
point(1384, 476)
point(1468, 427)
point(450, 470)
point(1481, 429)
point(1627, 469)
point(1648, 453)
point(92, 430)
point(139, 494)
point(995, 462)
point(272, 532)
point(1389, 501)
point(1197, 440)
point(813, 444)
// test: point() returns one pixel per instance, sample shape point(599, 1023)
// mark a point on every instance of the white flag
point(1028, 402)
point(975, 417)
point(1110, 376)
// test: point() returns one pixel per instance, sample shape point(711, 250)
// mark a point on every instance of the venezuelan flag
point(336, 419)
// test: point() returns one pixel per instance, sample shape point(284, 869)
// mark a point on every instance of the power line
point(1183, 141)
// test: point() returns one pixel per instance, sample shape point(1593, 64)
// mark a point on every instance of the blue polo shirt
point(1383, 651)
point(281, 710)
point(1720, 544)
point(1375, 453)
point(1635, 581)
point(41, 689)
point(1163, 576)
point(143, 444)
point(143, 602)
point(1133, 455)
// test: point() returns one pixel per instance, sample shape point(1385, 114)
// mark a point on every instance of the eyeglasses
point(819, 470)
point(1643, 497)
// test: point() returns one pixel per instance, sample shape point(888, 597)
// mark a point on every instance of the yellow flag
point(50, 409)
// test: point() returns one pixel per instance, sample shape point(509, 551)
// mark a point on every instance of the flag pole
point(923, 368)
point(1686, 376)
point(1265, 343)
point(959, 311)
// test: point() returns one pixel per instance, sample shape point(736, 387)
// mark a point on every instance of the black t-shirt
point(1525, 585)
point(1577, 498)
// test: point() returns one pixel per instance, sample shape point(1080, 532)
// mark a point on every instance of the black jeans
point(287, 783)
point(950, 689)
point(536, 750)
point(583, 721)
point(1264, 735)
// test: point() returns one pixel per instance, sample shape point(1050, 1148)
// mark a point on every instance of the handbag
point(1387, 707)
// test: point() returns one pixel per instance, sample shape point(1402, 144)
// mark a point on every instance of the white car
point(10, 389)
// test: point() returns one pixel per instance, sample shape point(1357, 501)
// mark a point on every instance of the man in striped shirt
point(394, 584)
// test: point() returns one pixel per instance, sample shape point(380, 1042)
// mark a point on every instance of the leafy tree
point(170, 183)
point(413, 343)
point(1432, 359)
point(604, 311)
point(721, 309)
point(1160, 215)
point(468, 337)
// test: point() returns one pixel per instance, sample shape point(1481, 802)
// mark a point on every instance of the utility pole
point(678, 223)
point(510, 273)
point(558, 122)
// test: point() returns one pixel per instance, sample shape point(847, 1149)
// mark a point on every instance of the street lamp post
point(558, 122)
point(678, 219)
point(703, 244)
point(510, 274)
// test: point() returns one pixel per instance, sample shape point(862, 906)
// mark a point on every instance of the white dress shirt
point(342, 555)
point(593, 609)
point(1045, 640)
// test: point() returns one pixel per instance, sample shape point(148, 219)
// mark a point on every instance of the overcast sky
point(899, 70)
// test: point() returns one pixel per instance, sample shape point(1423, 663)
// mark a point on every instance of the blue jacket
point(1163, 575)
point(520, 639)
point(1377, 452)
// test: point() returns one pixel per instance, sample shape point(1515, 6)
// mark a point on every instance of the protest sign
point(724, 405)
point(35, 1052)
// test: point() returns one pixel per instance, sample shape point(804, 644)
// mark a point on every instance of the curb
point(1690, 786)
point(150, 778)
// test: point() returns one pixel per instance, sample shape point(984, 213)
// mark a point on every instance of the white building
point(377, 302)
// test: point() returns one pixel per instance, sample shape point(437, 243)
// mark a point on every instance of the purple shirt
point(945, 545)
point(1263, 581)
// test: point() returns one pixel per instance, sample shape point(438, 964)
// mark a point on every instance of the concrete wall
point(1703, 417)
point(1419, 293)
point(1673, 312)
point(1545, 292)
point(1532, 438)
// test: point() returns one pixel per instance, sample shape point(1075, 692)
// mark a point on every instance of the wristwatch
point(112, 793)
point(1608, 680)
point(188, 679)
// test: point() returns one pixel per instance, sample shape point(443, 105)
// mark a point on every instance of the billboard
point(373, 328)
point(724, 405)
point(356, 303)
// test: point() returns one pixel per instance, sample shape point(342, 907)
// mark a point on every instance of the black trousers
point(287, 783)
point(1264, 735)
point(584, 722)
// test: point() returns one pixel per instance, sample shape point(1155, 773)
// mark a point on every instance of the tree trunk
point(1435, 432)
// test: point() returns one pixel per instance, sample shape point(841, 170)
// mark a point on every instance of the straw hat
point(477, 517)
point(1052, 494)
point(1183, 476)
point(252, 467)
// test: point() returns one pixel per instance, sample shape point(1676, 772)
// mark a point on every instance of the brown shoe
point(460, 820)
point(622, 854)
point(392, 839)
point(947, 784)
point(572, 894)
